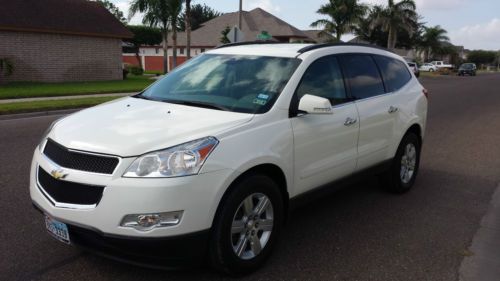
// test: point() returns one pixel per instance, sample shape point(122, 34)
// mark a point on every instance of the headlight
point(181, 160)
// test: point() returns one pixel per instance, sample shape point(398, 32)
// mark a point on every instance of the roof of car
point(285, 49)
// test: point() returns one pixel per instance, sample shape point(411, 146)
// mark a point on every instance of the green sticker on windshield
point(260, 101)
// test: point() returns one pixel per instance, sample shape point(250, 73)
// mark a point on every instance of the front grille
point(78, 160)
point(69, 192)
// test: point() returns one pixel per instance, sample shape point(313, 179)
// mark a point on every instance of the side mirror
point(315, 105)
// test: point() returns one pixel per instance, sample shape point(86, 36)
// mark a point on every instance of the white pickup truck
point(441, 64)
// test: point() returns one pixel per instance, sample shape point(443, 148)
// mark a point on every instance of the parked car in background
point(428, 67)
point(441, 64)
point(414, 67)
point(205, 162)
point(467, 69)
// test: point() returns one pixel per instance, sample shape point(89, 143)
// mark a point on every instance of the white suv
point(205, 162)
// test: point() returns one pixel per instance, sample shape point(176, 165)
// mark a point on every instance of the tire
point(431, 70)
point(224, 244)
point(401, 175)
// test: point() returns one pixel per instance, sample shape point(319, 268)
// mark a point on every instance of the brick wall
point(60, 58)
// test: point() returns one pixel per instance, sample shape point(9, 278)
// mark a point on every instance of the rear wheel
point(247, 225)
point(404, 168)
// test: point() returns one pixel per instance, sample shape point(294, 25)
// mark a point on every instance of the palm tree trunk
point(174, 48)
point(165, 50)
point(138, 57)
point(187, 20)
point(389, 38)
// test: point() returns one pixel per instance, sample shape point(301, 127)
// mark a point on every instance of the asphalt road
point(358, 233)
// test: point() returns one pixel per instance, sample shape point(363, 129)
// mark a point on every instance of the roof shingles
point(78, 17)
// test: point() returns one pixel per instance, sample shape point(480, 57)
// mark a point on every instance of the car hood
point(131, 126)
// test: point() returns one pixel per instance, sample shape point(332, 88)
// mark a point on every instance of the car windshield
point(247, 84)
point(466, 66)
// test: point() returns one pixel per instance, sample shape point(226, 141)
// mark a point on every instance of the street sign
point(264, 35)
point(236, 35)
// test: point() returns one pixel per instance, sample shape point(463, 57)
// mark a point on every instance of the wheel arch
point(273, 171)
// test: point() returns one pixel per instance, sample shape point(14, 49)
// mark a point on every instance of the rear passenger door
point(377, 108)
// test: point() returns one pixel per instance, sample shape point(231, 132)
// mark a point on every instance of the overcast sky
point(473, 24)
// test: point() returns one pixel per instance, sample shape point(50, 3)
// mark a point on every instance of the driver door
point(325, 145)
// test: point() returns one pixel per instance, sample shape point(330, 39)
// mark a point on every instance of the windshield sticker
point(260, 101)
point(263, 96)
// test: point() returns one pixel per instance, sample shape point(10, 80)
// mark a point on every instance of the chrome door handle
point(350, 121)
point(393, 109)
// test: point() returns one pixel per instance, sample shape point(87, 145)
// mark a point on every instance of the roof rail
point(248, 43)
point(324, 45)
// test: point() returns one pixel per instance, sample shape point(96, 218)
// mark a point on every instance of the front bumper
point(197, 196)
point(163, 253)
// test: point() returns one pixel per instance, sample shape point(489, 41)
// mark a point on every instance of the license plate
point(57, 229)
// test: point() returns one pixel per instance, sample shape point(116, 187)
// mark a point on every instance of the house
point(61, 40)
point(209, 34)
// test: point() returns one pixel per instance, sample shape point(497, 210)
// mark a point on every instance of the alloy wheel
point(252, 226)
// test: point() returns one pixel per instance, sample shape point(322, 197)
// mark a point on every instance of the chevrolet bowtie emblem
point(58, 174)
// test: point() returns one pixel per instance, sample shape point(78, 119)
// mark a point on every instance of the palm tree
point(155, 15)
point(162, 14)
point(432, 40)
point(174, 10)
point(187, 22)
point(395, 16)
point(344, 16)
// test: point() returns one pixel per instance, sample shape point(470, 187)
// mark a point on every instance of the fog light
point(145, 222)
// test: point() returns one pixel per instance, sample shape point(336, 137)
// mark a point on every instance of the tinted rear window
point(394, 72)
point(363, 76)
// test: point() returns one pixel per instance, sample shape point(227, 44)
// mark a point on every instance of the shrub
point(136, 70)
point(125, 73)
point(444, 71)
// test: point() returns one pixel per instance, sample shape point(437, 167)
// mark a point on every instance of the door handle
point(393, 109)
point(350, 121)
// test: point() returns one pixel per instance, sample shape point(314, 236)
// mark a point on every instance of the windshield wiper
point(141, 96)
point(198, 104)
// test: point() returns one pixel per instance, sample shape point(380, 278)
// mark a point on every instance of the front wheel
point(403, 171)
point(247, 225)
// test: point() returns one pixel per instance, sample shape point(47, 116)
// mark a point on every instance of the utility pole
point(239, 14)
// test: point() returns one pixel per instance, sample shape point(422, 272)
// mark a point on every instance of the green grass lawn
point(34, 106)
point(16, 90)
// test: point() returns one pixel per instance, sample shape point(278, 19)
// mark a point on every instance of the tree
point(344, 17)
point(174, 10)
point(394, 16)
point(158, 13)
point(113, 9)
point(199, 14)
point(187, 23)
point(433, 41)
point(375, 34)
point(482, 57)
point(224, 33)
point(144, 35)
point(6, 68)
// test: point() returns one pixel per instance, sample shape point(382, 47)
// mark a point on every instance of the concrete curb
point(38, 114)
point(67, 97)
point(483, 264)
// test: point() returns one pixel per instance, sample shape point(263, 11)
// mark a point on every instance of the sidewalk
point(65, 97)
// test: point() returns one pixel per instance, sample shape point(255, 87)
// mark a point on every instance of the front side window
point(394, 72)
point(247, 84)
point(324, 78)
point(363, 76)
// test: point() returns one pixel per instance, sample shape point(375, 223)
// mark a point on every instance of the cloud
point(264, 4)
point(426, 4)
point(479, 36)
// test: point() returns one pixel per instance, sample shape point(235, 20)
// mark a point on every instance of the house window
point(157, 50)
point(202, 50)
point(181, 51)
